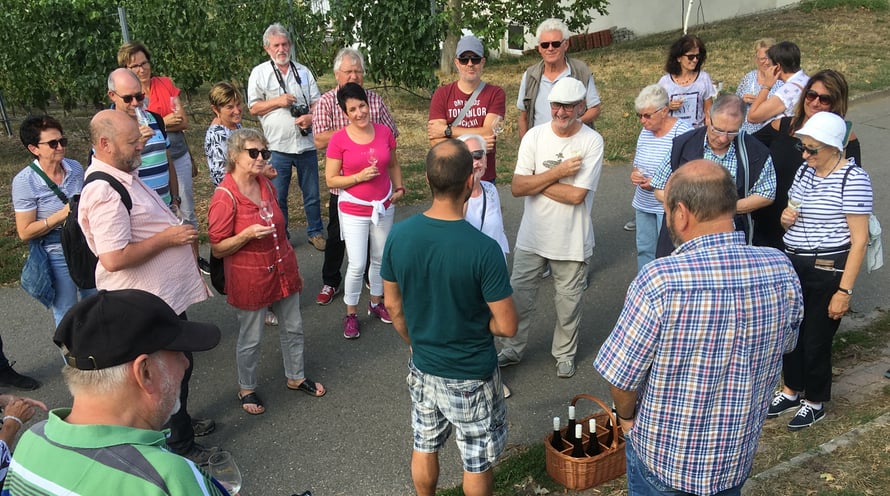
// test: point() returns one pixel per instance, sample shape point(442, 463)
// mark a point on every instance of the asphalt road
point(356, 440)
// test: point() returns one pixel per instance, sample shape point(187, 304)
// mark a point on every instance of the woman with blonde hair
point(758, 78)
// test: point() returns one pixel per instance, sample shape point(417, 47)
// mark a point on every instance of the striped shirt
point(765, 185)
point(749, 86)
point(155, 171)
point(822, 221)
point(651, 152)
point(55, 457)
point(701, 338)
point(30, 192)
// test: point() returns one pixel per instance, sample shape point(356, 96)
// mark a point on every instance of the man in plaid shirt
point(697, 349)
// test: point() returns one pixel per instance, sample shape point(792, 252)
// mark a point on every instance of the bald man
point(698, 347)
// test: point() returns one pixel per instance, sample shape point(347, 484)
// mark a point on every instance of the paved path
point(357, 439)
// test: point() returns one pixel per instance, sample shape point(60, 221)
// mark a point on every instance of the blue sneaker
point(806, 416)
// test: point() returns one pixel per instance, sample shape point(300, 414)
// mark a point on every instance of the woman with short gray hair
point(653, 146)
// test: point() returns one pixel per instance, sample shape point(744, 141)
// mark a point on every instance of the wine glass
point(266, 212)
point(174, 104)
point(372, 157)
point(141, 116)
point(180, 218)
point(794, 203)
point(498, 125)
point(222, 467)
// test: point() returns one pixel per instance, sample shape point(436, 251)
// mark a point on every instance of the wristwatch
point(845, 290)
point(175, 199)
point(448, 131)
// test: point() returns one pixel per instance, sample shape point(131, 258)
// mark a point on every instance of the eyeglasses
point(356, 72)
point(762, 59)
point(546, 44)
point(55, 143)
point(256, 152)
point(129, 98)
point(466, 60)
point(692, 56)
point(810, 151)
point(568, 107)
point(478, 154)
point(823, 99)
point(136, 67)
point(648, 116)
point(720, 132)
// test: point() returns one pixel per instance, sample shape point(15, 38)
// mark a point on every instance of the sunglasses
point(478, 154)
point(649, 115)
point(568, 107)
point(466, 60)
point(720, 132)
point(129, 98)
point(823, 99)
point(256, 152)
point(692, 56)
point(546, 44)
point(63, 142)
point(810, 151)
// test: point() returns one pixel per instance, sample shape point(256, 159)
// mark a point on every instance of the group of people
point(706, 307)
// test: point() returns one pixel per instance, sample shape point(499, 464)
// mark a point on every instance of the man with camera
point(282, 93)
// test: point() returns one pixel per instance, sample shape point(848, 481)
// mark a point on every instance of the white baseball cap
point(567, 90)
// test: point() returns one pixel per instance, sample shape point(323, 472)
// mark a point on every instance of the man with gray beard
point(143, 248)
point(125, 356)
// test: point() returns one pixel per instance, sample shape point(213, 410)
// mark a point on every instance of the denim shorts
point(476, 409)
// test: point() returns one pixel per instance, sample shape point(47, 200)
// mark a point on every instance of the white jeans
point(356, 232)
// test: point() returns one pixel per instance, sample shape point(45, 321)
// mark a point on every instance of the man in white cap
point(468, 105)
point(557, 172)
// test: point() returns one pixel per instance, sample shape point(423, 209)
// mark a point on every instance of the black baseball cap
point(114, 327)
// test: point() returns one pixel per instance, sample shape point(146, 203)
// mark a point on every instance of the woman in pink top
point(361, 161)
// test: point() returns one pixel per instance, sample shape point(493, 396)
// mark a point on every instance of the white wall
point(655, 16)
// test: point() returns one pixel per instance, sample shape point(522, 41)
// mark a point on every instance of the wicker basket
point(584, 473)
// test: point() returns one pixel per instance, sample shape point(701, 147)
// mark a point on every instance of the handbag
point(874, 253)
point(36, 278)
point(217, 268)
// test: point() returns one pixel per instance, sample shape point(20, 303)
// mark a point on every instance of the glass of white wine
point(222, 467)
point(498, 126)
point(794, 203)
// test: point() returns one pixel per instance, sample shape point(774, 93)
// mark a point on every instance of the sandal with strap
point(251, 399)
point(309, 387)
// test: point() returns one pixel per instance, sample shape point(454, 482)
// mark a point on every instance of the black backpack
point(80, 259)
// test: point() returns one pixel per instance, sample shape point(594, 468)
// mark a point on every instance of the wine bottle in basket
point(593, 446)
point(570, 430)
point(556, 438)
point(610, 436)
point(577, 443)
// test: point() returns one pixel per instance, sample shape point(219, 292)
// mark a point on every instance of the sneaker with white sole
point(507, 358)
point(350, 327)
point(326, 295)
point(806, 416)
point(379, 312)
point(631, 225)
point(780, 404)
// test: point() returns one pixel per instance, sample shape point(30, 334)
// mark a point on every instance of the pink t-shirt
point(354, 158)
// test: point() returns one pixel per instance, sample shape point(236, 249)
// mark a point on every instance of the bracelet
point(400, 189)
point(12, 417)
point(626, 419)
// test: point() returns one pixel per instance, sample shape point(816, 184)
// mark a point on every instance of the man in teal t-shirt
point(447, 290)
point(124, 362)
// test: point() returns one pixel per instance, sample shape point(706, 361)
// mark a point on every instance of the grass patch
point(811, 5)
point(850, 40)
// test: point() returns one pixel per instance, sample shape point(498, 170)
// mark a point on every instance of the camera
point(297, 110)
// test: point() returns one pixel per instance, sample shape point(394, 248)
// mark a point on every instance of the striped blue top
point(822, 221)
point(155, 171)
point(651, 152)
point(700, 338)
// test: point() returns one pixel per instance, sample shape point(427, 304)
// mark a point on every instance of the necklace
point(839, 157)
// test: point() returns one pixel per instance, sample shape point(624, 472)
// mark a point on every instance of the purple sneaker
point(380, 312)
point(350, 327)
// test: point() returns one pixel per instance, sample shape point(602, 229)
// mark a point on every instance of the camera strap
point(296, 74)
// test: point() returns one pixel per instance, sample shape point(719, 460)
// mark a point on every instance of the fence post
point(4, 116)
point(122, 18)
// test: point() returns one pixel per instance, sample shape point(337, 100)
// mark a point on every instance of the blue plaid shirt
point(701, 338)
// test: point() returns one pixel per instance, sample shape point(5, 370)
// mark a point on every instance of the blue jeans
point(306, 164)
point(642, 482)
point(66, 291)
point(648, 226)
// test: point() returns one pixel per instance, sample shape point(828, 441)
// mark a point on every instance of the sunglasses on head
point(478, 154)
point(256, 152)
point(546, 44)
point(810, 151)
point(129, 98)
point(55, 143)
point(466, 60)
point(692, 56)
point(823, 99)
point(648, 116)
